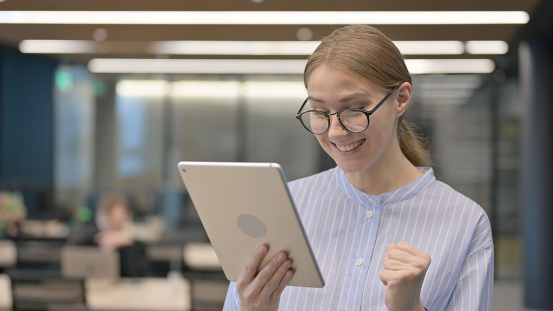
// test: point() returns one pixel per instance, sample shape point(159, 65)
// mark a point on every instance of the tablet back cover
point(244, 205)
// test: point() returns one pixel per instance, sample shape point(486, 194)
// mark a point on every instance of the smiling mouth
point(350, 147)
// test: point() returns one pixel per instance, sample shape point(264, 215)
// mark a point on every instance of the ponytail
point(413, 146)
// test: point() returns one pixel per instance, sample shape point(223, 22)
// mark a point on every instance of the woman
point(386, 234)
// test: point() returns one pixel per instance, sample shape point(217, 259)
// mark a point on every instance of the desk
point(138, 294)
point(5, 292)
point(201, 256)
point(8, 253)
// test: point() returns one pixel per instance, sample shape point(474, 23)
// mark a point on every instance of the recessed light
point(100, 34)
point(304, 34)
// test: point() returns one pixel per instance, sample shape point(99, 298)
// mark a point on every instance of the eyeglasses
point(352, 119)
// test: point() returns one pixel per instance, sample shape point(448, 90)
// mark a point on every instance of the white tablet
point(244, 205)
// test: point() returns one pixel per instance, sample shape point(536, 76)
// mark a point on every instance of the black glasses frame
point(367, 114)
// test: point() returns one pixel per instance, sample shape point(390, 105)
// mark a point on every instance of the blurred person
point(111, 231)
point(386, 234)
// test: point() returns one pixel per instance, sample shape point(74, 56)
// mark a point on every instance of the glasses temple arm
point(383, 100)
point(302, 105)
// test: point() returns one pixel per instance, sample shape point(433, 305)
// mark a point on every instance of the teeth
point(350, 147)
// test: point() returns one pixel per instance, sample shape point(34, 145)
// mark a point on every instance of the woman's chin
point(350, 167)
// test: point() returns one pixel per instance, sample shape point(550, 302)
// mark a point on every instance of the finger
point(408, 253)
point(276, 278)
point(399, 255)
point(388, 249)
point(266, 274)
point(394, 265)
point(409, 248)
point(253, 264)
point(283, 283)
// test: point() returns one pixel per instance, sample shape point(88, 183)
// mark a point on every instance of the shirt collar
point(403, 193)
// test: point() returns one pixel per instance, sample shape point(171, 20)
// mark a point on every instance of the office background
point(74, 122)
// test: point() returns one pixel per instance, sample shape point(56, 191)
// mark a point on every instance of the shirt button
point(369, 214)
point(359, 261)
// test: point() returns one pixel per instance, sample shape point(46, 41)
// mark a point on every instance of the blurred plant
point(12, 212)
point(81, 215)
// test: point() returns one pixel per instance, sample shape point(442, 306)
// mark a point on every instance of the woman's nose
point(336, 128)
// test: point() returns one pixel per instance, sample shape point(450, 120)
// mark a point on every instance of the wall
point(26, 127)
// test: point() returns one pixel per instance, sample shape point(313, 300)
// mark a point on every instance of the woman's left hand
point(404, 270)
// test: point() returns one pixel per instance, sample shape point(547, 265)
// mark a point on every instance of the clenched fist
point(404, 270)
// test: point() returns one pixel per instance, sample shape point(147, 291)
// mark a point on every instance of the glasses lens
point(353, 120)
point(315, 121)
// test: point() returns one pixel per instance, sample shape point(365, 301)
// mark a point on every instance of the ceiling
point(130, 41)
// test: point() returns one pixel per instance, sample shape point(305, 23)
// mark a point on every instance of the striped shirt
point(349, 231)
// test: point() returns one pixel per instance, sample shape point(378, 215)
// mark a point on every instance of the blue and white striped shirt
point(349, 231)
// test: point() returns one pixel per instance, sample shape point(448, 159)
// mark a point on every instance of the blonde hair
point(366, 52)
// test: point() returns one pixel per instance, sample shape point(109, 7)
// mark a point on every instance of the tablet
point(244, 205)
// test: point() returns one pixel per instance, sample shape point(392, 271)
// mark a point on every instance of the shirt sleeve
point(474, 287)
point(232, 301)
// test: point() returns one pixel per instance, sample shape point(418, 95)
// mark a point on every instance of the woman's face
point(331, 91)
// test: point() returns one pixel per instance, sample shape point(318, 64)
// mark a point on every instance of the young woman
point(386, 234)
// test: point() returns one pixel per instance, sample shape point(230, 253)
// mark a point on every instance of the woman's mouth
point(350, 147)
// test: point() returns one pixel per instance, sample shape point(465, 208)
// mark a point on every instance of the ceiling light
point(435, 94)
point(220, 47)
point(446, 86)
point(235, 47)
point(275, 89)
point(171, 47)
point(268, 66)
point(487, 47)
point(431, 66)
point(59, 46)
point(203, 66)
point(264, 17)
point(430, 47)
point(225, 89)
point(450, 82)
point(304, 34)
point(140, 88)
point(100, 34)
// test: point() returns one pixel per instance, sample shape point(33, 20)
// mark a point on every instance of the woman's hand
point(404, 269)
point(261, 291)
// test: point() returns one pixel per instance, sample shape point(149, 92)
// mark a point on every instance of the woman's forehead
point(328, 79)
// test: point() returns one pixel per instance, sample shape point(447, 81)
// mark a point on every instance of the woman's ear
point(403, 98)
